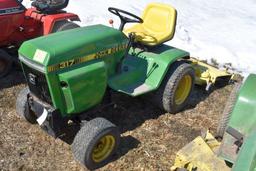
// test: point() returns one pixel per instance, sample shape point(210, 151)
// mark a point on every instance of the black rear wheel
point(225, 117)
point(5, 63)
point(64, 25)
point(174, 92)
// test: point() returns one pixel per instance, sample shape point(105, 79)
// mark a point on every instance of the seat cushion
point(145, 36)
point(159, 21)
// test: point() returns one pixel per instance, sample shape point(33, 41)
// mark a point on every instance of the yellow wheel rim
point(183, 89)
point(103, 148)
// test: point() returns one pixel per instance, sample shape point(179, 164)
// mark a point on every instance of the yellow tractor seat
point(159, 21)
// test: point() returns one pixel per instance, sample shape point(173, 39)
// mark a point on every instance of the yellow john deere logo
point(86, 58)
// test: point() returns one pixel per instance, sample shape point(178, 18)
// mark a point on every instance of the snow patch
point(213, 29)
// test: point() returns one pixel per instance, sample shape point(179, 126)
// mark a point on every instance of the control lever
point(130, 43)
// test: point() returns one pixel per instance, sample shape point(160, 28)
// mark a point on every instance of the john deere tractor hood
point(76, 45)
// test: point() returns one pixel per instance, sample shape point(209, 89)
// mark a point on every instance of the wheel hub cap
point(183, 89)
point(103, 148)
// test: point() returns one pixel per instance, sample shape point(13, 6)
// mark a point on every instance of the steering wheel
point(120, 13)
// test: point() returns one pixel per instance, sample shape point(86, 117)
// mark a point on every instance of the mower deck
point(208, 74)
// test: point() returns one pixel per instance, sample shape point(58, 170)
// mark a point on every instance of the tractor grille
point(37, 83)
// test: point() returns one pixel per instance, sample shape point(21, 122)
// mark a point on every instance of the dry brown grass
point(150, 137)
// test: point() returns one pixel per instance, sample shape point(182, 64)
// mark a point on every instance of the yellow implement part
point(207, 74)
point(200, 155)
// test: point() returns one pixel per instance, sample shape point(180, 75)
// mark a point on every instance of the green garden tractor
point(237, 130)
point(72, 72)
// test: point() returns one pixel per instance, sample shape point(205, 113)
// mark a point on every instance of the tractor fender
point(49, 20)
point(243, 118)
point(170, 57)
point(246, 159)
point(159, 62)
point(144, 71)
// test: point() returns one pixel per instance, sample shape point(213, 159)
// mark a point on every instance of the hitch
point(237, 135)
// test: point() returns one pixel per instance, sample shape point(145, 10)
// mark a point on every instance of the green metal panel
point(159, 61)
point(243, 118)
point(85, 86)
point(78, 51)
point(72, 44)
point(246, 160)
point(143, 71)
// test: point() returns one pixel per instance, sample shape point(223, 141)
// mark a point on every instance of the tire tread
point(84, 140)
point(226, 114)
point(164, 96)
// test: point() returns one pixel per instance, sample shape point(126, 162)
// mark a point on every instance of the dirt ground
point(150, 137)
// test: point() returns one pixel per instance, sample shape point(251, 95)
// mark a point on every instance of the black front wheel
point(22, 107)
point(5, 63)
point(95, 143)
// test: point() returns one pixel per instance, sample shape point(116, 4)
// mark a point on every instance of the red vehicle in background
point(18, 24)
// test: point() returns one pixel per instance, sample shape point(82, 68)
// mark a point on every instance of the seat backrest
point(160, 19)
point(53, 6)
